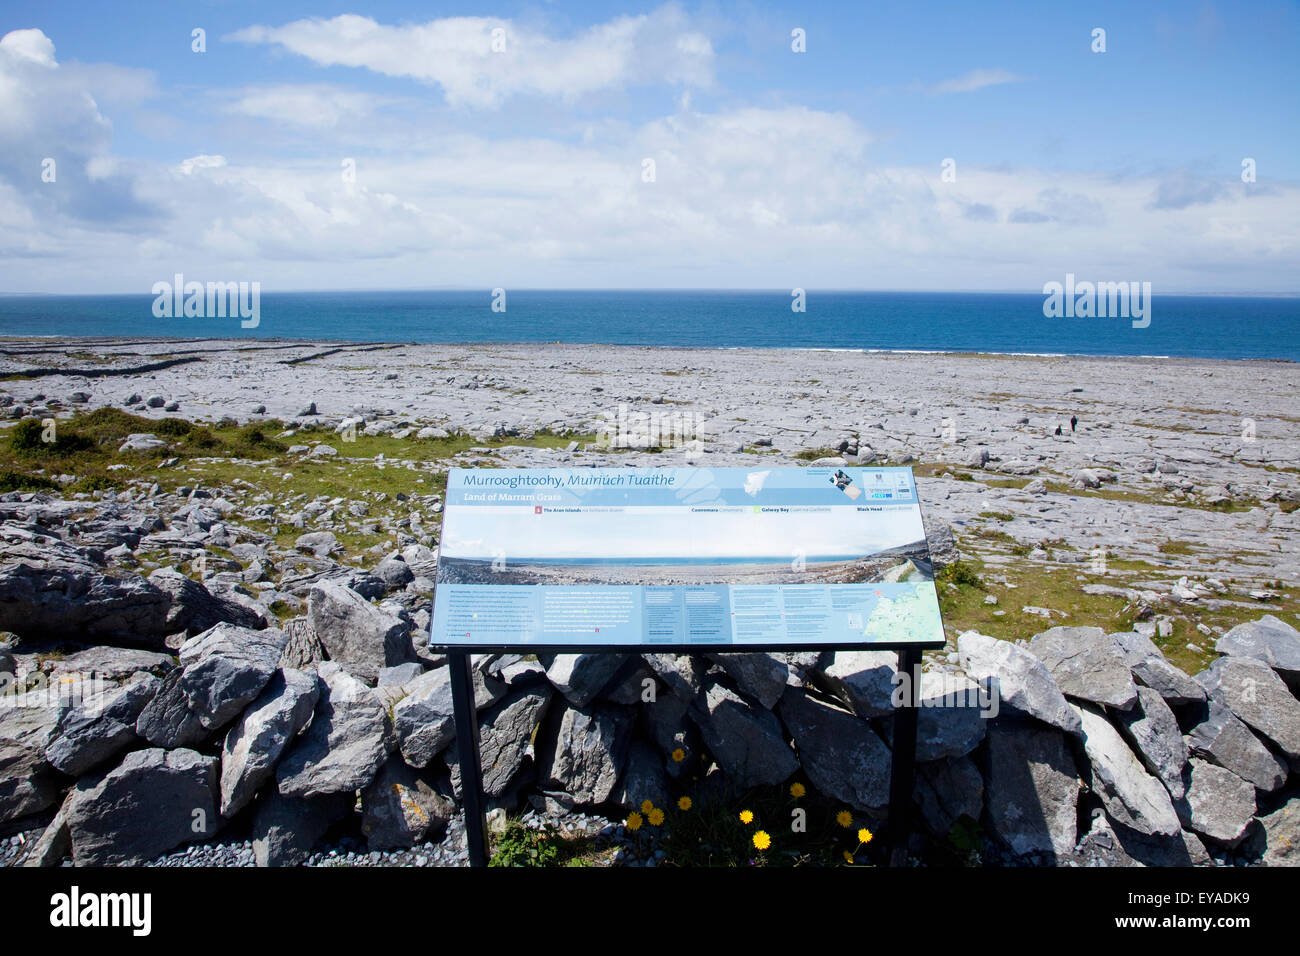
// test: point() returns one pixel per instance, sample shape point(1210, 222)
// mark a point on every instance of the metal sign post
point(902, 764)
point(461, 674)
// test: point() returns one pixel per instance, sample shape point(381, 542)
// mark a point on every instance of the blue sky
point(525, 167)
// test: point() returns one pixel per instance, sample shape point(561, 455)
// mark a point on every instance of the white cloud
point(32, 46)
point(458, 54)
point(742, 197)
point(314, 105)
point(48, 114)
point(202, 161)
point(976, 80)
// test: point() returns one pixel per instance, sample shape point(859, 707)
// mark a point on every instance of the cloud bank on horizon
point(662, 147)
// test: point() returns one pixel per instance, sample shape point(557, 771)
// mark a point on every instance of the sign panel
point(683, 559)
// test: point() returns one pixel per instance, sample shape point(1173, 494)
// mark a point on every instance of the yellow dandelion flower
point(865, 835)
point(679, 755)
point(844, 819)
point(634, 821)
point(656, 817)
point(684, 803)
point(761, 840)
point(746, 816)
point(797, 790)
point(647, 806)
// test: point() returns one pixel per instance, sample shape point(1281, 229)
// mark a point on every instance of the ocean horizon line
point(665, 290)
point(486, 343)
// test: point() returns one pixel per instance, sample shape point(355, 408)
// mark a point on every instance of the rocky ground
point(240, 540)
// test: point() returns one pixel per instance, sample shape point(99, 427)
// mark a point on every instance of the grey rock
point(112, 663)
point(27, 725)
point(762, 676)
point(1281, 830)
point(1224, 739)
point(95, 730)
point(950, 719)
point(401, 675)
point(746, 741)
point(27, 784)
point(521, 673)
point(504, 736)
point(671, 731)
point(588, 753)
point(54, 845)
point(1131, 796)
point(225, 667)
point(194, 609)
point(1183, 849)
point(141, 441)
point(862, 679)
point(842, 756)
point(1086, 478)
point(320, 543)
point(1254, 692)
point(356, 634)
point(168, 720)
point(948, 790)
point(394, 572)
point(683, 673)
point(151, 802)
point(1086, 664)
point(1219, 804)
point(286, 828)
point(639, 683)
point(1153, 730)
point(348, 740)
point(940, 541)
point(1150, 668)
point(1032, 789)
point(643, 779)
point(399, 809)
point(804, 666)
point(580, 677)
point(1269, 639)
point(424, 719)
point(74, 599)
point(302, 648)
point(1024, 683)
point(258, 738)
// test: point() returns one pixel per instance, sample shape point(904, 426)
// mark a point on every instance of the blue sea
point(1196, 326)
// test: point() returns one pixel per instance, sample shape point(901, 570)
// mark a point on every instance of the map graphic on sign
point(690, 558)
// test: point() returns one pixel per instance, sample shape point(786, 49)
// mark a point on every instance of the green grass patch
point(11, 480)
point(812, 454)
point(521, 845)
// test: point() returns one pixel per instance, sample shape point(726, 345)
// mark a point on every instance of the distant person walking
point(1074, 422)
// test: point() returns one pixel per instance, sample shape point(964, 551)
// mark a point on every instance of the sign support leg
point(902, 772)
point(471, 768)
